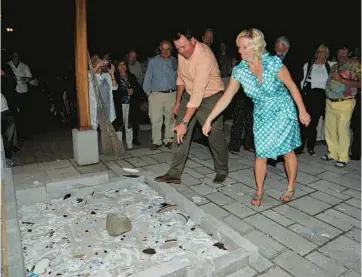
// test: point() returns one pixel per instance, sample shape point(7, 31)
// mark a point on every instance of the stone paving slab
point(316, 234)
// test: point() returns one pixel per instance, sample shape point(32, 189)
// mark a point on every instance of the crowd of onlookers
point(143, 90)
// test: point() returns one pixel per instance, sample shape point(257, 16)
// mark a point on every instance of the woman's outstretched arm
point(221, 105)
point(225, 99)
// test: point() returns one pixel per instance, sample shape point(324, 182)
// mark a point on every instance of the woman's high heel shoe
point(287, 196)
point(256, 201)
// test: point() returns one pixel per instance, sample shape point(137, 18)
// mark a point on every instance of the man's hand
point(176, 108)
point(337, 76)
point(180, 130)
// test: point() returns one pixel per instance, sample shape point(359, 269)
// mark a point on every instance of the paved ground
point(317, 234)
point(56, 144)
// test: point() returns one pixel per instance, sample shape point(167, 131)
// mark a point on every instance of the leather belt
point(340, 99)
point(167, 91)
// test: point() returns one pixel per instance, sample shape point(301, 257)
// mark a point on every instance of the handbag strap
point(308, 73)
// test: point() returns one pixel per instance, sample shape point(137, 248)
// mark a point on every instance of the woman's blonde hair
point(325, 47)
point(257, 40)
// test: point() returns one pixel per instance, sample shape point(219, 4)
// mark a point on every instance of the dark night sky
point(44, 30)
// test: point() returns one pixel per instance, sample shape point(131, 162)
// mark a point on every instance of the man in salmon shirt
point(199, 87)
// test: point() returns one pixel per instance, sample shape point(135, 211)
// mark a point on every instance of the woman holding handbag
point(126, 97)
point(314, 94)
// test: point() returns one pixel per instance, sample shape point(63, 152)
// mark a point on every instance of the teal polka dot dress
point(276, 126)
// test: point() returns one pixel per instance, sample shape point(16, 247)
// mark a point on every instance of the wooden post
point(81, 65)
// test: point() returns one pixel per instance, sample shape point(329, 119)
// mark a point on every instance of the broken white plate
point(41, 266)
point(196, 199)
point(130, 170)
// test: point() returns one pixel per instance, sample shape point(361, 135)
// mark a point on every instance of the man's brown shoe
point(219, 178)
point(168, 179)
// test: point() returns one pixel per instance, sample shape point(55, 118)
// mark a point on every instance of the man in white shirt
point(23, 98)
point(22, 73)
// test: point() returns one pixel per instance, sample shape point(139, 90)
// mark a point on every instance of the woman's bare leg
point(291, 168)
point(260, 166)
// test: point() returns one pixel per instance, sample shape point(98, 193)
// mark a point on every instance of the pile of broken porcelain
point(68, 237)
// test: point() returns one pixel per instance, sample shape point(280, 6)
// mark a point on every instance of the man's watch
point(184, 123)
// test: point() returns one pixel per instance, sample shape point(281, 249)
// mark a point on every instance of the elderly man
point(290, 60)
point(160, 86)
point(282, 46)
point(199, 87)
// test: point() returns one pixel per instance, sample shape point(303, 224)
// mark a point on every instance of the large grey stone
point(117, 224)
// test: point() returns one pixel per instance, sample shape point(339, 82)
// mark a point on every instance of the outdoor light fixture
point(9, 29)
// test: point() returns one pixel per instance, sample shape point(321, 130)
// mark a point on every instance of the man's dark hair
point(184, 32)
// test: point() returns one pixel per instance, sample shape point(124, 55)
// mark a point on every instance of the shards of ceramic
point(169, 244)
point(220, 245)
point(68, 195)
point(41, 266)
point(149, 251)
point(196, 199)
point(167, 208)
point(117, 224)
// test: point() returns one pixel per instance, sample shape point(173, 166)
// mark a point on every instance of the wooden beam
point(81, 64)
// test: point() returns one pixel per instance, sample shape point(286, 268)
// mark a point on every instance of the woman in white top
point(107, 83)
point(314, 94)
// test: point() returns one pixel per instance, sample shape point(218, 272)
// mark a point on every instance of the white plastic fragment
point(130, 170)
point(41, 266)
point(196, 199)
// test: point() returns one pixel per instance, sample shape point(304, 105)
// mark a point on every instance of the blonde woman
point(315, 76)
point(276, 128)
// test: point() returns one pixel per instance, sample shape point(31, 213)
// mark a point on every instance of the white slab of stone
point(85, 147)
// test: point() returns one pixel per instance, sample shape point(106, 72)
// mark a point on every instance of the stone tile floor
point(317, 234)
point(57, 144)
